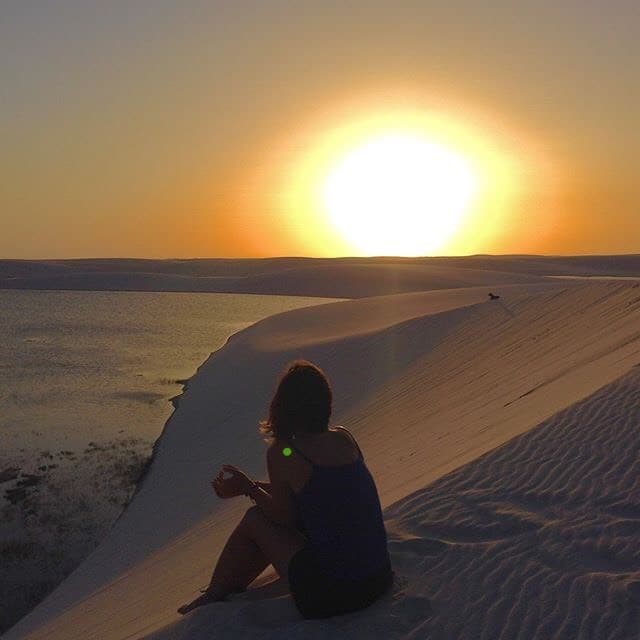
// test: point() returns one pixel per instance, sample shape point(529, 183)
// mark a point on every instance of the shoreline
point(175, 400)
point(46, 482)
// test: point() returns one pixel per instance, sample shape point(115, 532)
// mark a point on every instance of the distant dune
point(325, 277)
point(503, 438)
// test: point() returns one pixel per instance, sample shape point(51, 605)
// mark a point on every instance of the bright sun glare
point(399, 194)
point(396, 180)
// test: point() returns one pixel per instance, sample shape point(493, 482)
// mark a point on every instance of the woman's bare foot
point(206, 598)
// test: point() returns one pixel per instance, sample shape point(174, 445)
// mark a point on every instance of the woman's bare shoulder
point(277, 453)
point(347, 435)
point(343, 431)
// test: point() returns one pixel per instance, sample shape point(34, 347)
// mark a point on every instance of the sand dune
point(616, 265)
point(325, 280)
point(428, 382)
point(537, 539)
point(326, 277)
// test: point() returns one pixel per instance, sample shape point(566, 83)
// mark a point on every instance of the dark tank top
point(339, 512)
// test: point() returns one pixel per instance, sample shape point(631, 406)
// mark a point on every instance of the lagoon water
point(85, 383)
point(80, 367)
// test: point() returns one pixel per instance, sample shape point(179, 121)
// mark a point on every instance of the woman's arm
point(276, 502)
point(235, 486)
point(273, 498)
point(240, 483)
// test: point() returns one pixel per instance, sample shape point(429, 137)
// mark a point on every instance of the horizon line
point(346, 257)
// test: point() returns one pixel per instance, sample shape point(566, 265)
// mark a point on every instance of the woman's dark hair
point(301, 403)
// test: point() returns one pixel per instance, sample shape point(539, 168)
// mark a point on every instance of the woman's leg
point(254, 544)
point(239, 564)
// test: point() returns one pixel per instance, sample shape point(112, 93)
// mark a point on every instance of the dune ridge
point(429, 386)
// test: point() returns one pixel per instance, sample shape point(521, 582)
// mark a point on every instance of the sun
point(398, 194)
point(387, 175)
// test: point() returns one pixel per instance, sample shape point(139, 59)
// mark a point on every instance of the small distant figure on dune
point(493, 296)
point(318, 520)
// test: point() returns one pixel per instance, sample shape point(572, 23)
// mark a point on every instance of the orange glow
point(399, 180)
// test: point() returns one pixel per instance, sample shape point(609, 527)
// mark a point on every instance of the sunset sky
point(203, 129)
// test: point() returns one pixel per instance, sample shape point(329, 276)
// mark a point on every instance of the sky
point(207, 129)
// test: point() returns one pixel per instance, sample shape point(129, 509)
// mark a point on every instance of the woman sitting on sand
point(318, 520)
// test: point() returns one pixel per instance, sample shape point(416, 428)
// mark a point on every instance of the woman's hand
point(238, 484)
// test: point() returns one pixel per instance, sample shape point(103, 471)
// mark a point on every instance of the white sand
point(537, 539)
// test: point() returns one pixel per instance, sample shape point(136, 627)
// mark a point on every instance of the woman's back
point(338, 507)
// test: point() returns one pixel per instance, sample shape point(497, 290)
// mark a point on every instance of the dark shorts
point(317, 595)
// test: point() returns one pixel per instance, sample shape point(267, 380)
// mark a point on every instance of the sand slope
point(427, 385)
point(537, 539)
